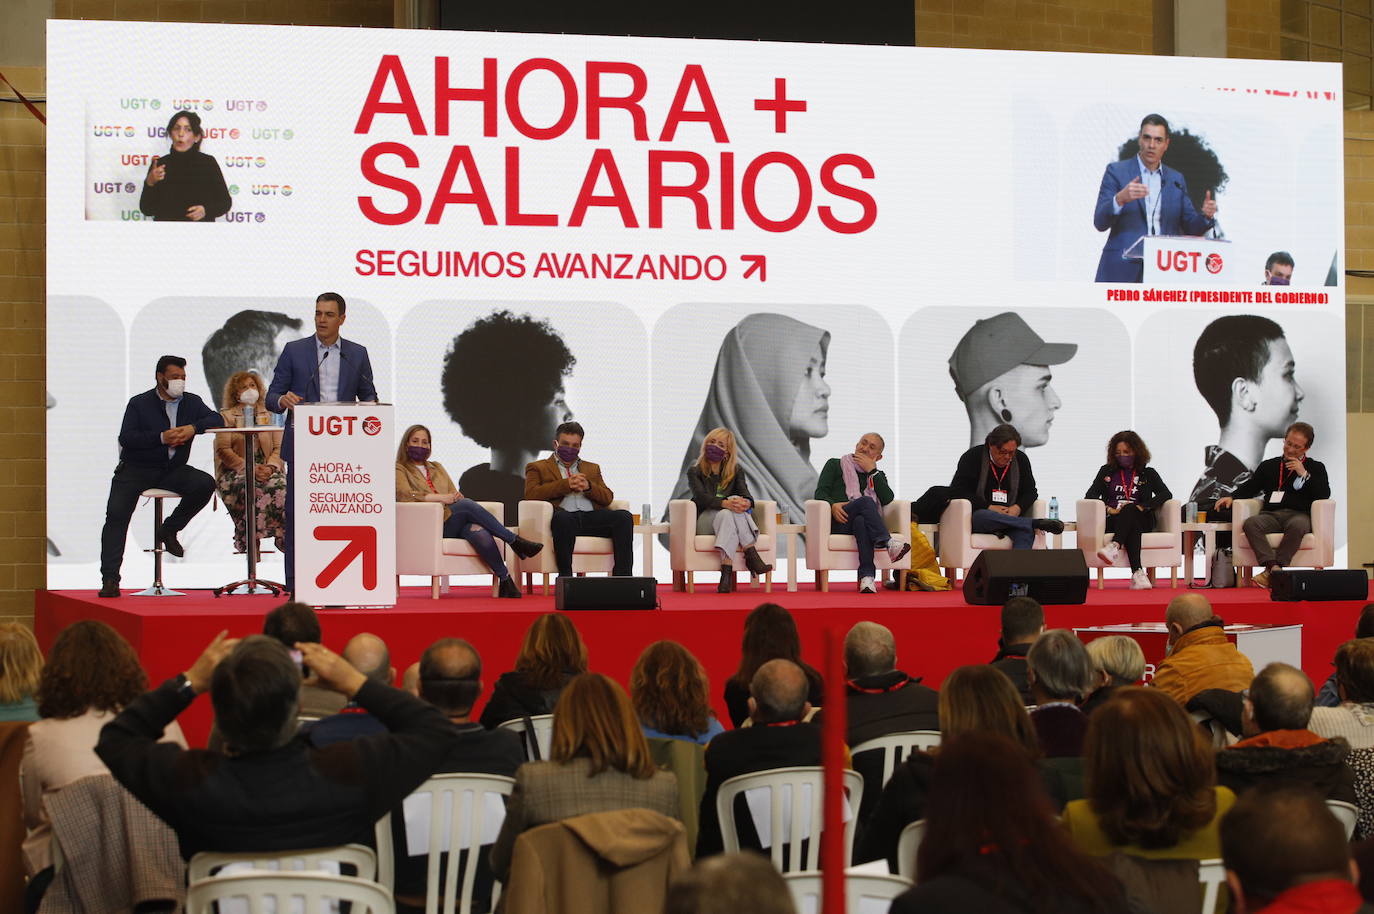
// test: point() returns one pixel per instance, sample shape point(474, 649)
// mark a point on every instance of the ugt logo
point(1213, 263)
point(372, 425)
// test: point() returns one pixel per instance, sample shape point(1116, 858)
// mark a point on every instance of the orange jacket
point(1202, 658)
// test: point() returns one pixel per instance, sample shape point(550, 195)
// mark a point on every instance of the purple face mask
point(1125, 461)
point(715, 453)
point(417, 454)
point(567, 454)
point(1279, 280)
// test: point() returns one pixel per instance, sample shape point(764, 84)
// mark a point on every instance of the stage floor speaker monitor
point(1331, 584)
point(1050, 576)
point(605, 593)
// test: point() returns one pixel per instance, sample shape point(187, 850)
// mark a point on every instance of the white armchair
point(1318, 549)
point(1161, 548)
point(689, 551)
point(422, 549)
point(826, 551)
point(959, 545)
point(590, 553)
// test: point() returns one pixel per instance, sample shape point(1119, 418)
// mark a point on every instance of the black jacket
point(193, 179)
point(1321, 766)
point(970, 469)
point(1011, 661)
point(1266, 480)
point(1148, 490)
point(878, 705)
point(145, 419)
point(513, 697)
point(708, 493)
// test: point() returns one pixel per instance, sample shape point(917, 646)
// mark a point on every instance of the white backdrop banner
point(660, 236)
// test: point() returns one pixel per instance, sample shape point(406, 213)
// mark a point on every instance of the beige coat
point(411, 484)
point(229, 447)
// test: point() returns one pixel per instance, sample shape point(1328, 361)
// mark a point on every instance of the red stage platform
point(936, 632)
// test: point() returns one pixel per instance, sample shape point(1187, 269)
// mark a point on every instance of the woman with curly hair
point(91, 674)
point(245, 391)
point(1132, 491)
point(550, 656)
point(770, 633)
point(21, 663)
point(669, 689)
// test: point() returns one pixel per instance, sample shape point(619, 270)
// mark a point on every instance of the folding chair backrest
point(908, 845)
point(790, 800)
point(869, 893)
point(897, 746)
point(543, 734)
point(316, 892)
point(1348, 813)
point(327, 859)
point(1211, 874)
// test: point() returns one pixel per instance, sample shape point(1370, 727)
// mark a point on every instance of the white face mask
point(248, 396)
point(176, 387)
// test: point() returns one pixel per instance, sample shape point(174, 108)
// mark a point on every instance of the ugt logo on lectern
point(372, 425)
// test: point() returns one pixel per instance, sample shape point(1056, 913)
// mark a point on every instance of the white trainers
point(1109, 552)
point(1141, 581)
point(866, 586)
point(897, 549)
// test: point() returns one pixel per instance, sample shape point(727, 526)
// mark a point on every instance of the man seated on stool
point(1289, 485)
point(154, 442)
point(857, 490)
point(580, 500)
point(996, 477)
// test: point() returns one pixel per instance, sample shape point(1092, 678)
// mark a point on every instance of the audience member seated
point(856, 491)
point(449, 676)
point(992, 844)
point(1278, 746)
point(1152, 788)
point(996, 478)
point(1285, 853)
point(1117, 661)
point(880, 699)
point(599, 762)
point(671, 695)
point(1353, 719)
point(296, 623)
point(745, 881)
point(974, 699)
point(1200, 657)
point(270, 790)
point(245, 390)
point(1060, 675)
point(1023, 619)
point(779, 738)
point(1132, 493)
point(21, 665)
point(1328, 697)
point(92, 673)
point(720, 491)
point(770, 633)
point(550, 656)
point(410, 679)
point(367, 654)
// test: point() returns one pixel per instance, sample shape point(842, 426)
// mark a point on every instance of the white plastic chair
point(960, 546)
point(455, 812)
point(1161, 548)
point(1211, 875)
point(908, 844)
point(896, 746)
point(209, 863)
point(789, 823)
point(543, 733)
point(689, 551)
point(590, 553)
point(1348, 813)
point(867, 893)
point(315, 889)
point(1317, 550)
point(826, 551)
point(421, 547)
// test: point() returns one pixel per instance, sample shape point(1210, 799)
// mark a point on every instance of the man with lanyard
point(1289, 485)
point(996, 478)
point(857, 490)
point(580, 499)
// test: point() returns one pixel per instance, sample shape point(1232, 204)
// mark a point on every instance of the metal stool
point(158, 589)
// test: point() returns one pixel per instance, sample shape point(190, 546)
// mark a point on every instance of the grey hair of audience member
point(1118, 656)
point(256, 693)
point(869, 650)
point(1061, 666)
point(744, 881)
point(779, 690)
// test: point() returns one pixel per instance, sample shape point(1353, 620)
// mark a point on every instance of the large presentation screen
point(800, 243)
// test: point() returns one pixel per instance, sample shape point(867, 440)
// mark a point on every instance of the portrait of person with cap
point(1001, 370)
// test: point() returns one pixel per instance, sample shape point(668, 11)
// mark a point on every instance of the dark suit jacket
point(877, 705)
point(297, 372)
point(145, 419)
point(546, 481)
point(1177, 216)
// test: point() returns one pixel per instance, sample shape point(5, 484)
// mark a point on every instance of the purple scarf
point(850, 470)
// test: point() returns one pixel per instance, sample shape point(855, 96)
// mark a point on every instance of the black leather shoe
point(170, 542)
point(1048, 524)
point(727, 579)
point(509, 589)
point(526, 549)
point(109, 587)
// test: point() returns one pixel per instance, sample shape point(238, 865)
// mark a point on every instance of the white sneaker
point(896, 549)
point(866, 586)
point(1141, 581)
point(1109, 552)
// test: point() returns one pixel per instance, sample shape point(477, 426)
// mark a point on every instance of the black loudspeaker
point(1331, 584)
point(1046, 575)
point(605, 593)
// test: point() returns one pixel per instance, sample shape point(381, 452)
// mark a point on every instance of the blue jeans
point(869, 530)
point(1019, 529)
point(463, 514)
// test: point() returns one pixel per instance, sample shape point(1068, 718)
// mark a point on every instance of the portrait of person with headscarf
point(768, 388)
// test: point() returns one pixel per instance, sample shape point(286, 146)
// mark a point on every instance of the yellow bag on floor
point(925, 568)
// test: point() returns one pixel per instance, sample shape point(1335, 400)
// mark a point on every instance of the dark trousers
point(1293, 524)
point(194, 486)
point(618, 526)
point(288, 554)
point(869, 530)
point(1129, 526)
point(463, 514)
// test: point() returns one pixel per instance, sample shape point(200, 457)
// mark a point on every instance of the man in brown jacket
point(580, 502)
point(1200, 657)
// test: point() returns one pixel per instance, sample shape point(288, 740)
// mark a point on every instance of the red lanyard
point(892, 688)
point(1005, 470)
point(1282, 464)
point(429, 482)
point(1128, 485)
point(783, 723)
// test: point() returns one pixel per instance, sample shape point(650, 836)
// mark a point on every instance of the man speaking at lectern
point(318, 369)
point(1143, 196)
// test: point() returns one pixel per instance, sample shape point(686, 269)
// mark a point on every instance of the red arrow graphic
point(758, 263)
point(362, 541)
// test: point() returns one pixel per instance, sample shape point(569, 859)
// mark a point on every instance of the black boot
point(170, 543)
point(109, 587)
point(755, 561)
point(727, 579)
point(509, 589)
point(526, 549)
